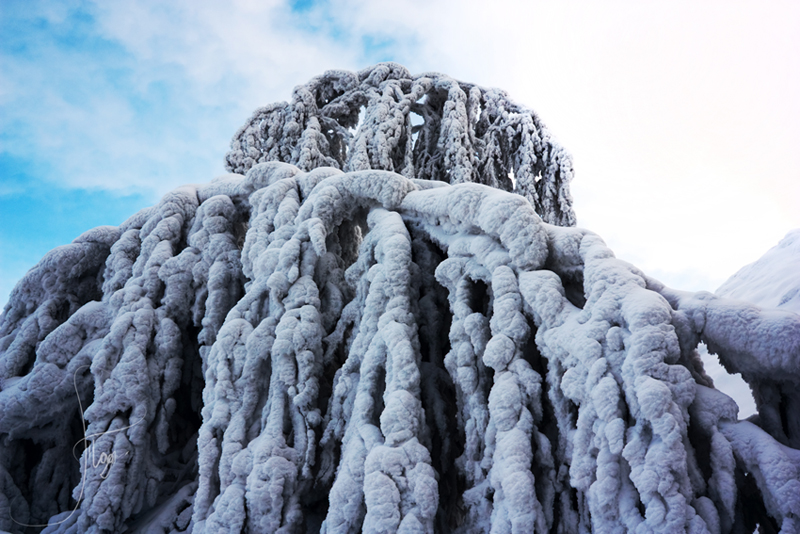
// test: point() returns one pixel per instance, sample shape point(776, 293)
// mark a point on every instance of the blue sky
point(682, 118)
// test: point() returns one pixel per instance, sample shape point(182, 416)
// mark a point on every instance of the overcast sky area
point(682, 118)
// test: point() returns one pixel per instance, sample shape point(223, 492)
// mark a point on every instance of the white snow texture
point(771, 282)
point(359, 330)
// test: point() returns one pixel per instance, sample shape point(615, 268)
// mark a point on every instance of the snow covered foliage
point(428, 126)
point(300, 348)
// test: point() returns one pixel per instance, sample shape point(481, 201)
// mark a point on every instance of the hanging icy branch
point(427, 126)
point(329, 351)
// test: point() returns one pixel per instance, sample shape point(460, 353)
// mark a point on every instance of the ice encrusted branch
point(306, 349)
point(366, 120)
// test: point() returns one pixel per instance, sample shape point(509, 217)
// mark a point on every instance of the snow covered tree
point(429, 127)
point(384, 323)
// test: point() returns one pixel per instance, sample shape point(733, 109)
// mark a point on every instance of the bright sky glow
point(682, 117)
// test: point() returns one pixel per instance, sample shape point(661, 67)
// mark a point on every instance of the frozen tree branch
point(366, 120)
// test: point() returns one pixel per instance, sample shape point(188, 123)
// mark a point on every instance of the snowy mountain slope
point(773, 281)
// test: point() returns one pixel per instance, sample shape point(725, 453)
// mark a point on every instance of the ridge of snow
point(772, 281)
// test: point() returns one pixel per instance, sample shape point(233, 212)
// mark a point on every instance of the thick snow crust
point(298, 349)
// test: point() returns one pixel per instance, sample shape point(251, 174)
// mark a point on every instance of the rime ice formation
point(353, 332)
point(429, 127)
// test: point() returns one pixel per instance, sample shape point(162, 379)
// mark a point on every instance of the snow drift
point(369, 326)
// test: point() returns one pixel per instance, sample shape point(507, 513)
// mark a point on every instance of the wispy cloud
point(148, 94)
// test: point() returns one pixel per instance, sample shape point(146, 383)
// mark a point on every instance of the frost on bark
point(299, 348)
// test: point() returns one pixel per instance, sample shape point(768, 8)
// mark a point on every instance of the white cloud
point(153, 96)
point(262, 45)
